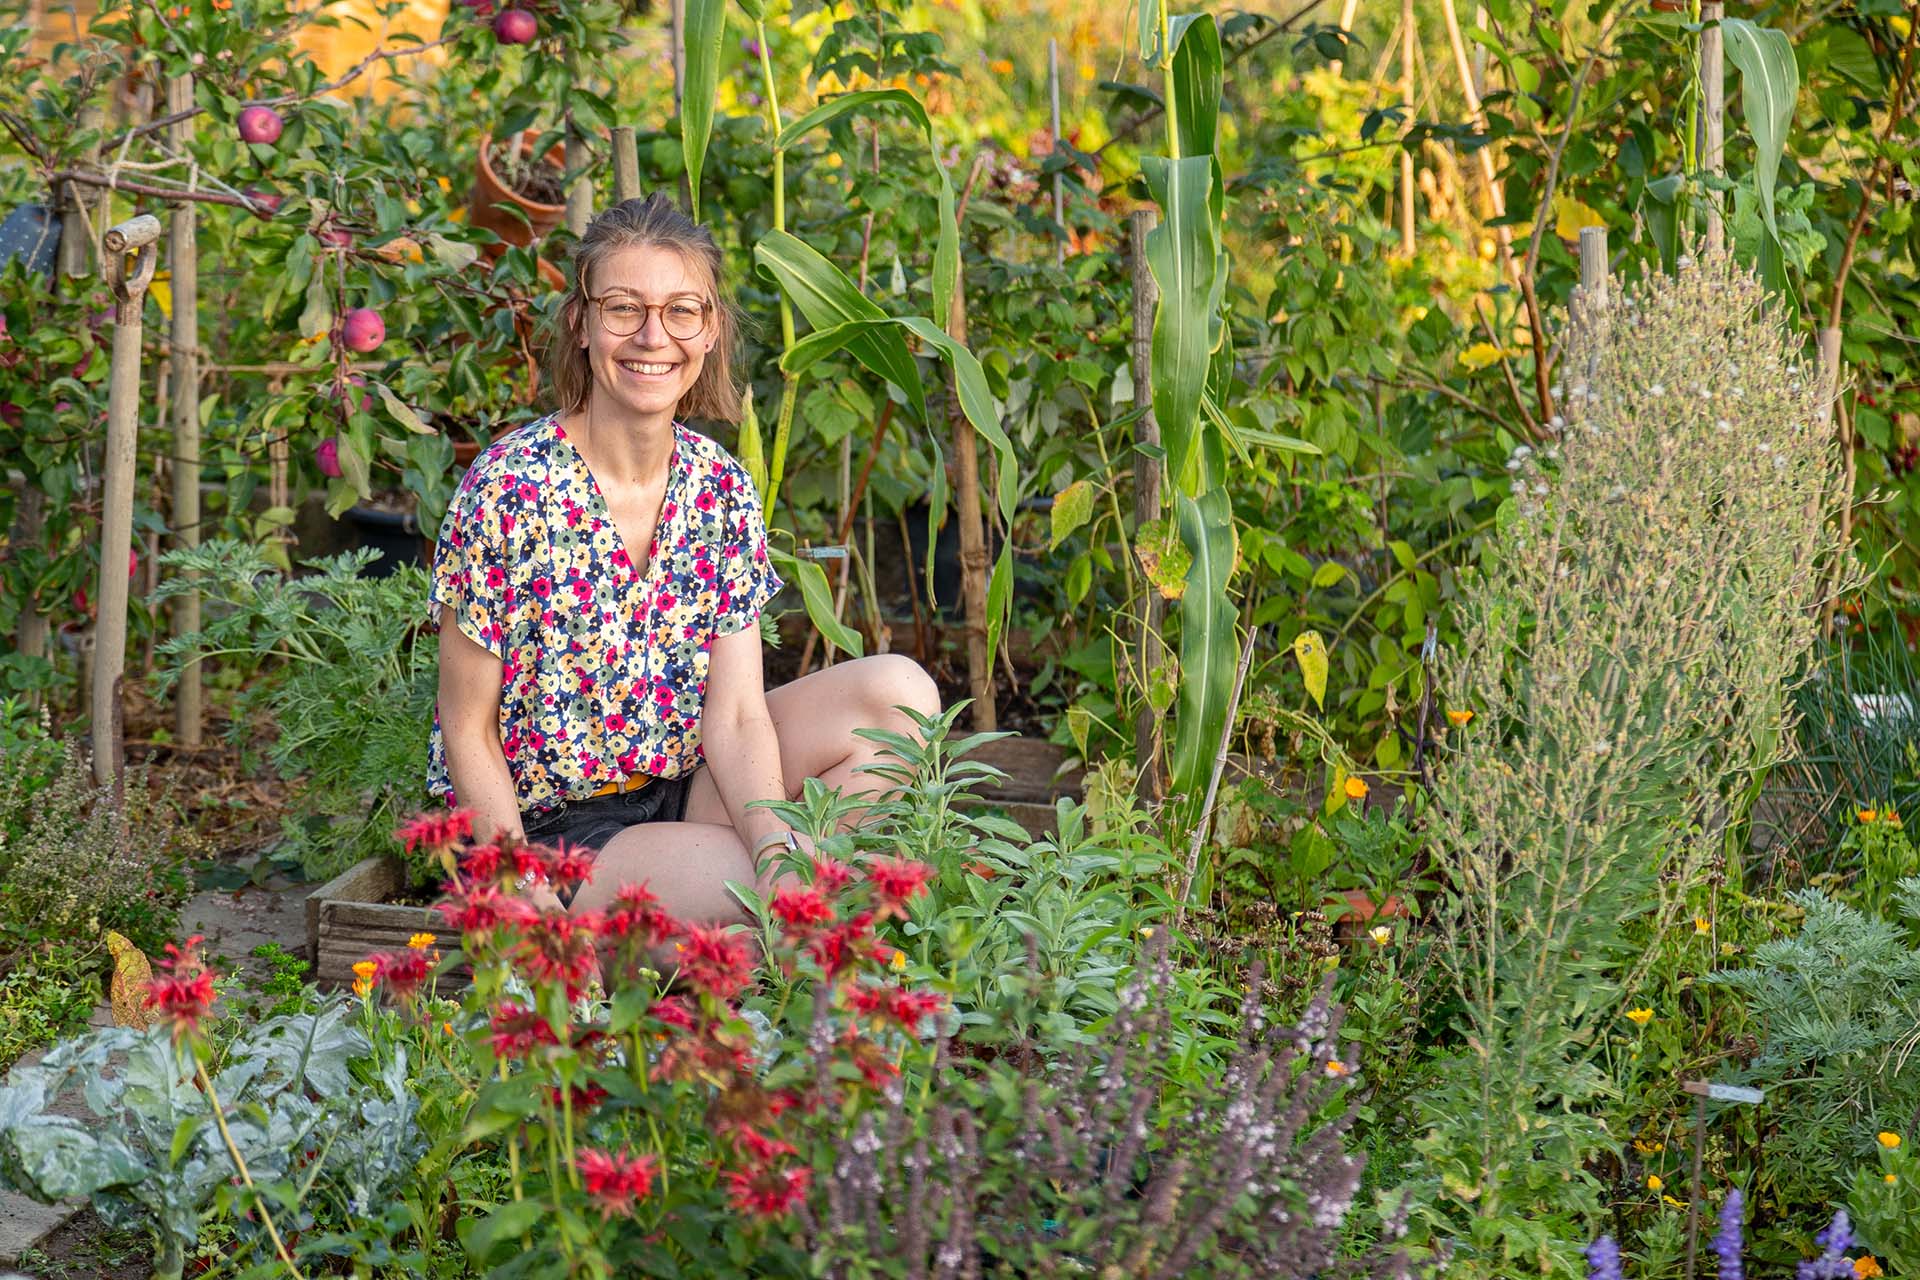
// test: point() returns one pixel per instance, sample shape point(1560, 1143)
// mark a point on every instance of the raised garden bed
point(349, 918)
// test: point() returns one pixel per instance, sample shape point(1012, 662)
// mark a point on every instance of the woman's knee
point(893, 680)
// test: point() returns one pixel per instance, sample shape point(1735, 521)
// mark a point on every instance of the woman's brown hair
point(653, 222)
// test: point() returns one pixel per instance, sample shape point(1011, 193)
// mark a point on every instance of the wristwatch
point(765, 843)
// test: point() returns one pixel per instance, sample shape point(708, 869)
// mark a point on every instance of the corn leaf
point(706, 26)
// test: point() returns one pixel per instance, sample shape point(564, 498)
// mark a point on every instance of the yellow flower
point(446, 1028)
point(1889, 1140)
point(1702, 925)
point(1654, 1183)
point(1867, 815)
point(1356, 788)
point(898, 960)
point(1459, 717)
point(1146, 931)
point(1001, 66)
point(365, 969)
point(1335, 1067)
point(1891, 1179)
point(421, 941)
point(1648, 1148)
point(1381, 934)
point(1639, 1017)
point(1678, 1204)
point(1865, 1266)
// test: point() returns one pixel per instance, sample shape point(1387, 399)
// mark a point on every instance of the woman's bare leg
point(687, 864)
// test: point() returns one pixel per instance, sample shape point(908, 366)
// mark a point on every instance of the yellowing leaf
point(162, 290)
point(1311, 652)
point(1072, 507)
point(1164, 556)
point(1569, 216)
point(1479, 356)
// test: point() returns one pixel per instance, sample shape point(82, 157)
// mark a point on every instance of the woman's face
point(646, 373)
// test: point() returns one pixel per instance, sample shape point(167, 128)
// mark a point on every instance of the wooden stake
point(626, 164)
point(1593, 263)
point(76, 229)
point(580, 194)
point(1059, 188)
point(1494, 206)
point(138, 236)
point(1713, 96)
point(1150, 785)
point(183, 269)
point(1347, 9)
point(974, 565)
point(1407, 32)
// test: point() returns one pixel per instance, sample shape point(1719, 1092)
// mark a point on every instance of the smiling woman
point(598, 585)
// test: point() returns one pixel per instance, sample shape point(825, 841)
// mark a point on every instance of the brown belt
point(633, 783)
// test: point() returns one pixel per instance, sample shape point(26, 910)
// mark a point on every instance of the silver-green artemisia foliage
point(1629, 648)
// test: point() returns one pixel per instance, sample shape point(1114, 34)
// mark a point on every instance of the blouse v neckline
point(635, 573)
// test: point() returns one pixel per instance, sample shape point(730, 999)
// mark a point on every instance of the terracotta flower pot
point(489, 190)
point(1361, 915)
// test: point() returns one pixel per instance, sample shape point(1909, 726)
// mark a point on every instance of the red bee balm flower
point(897, 881)
point(404, 971)
point(636, 911)
point(615, 1182)
point(518, 1030)
point(436, 830)
point(801, 908)
point(830, 876)
point(716, 962)
point(184, 993)
point(769, 1193)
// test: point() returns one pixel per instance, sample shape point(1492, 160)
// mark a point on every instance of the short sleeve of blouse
point(748, 580)
point(469, 566)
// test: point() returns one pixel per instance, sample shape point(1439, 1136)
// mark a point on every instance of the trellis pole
point(626, 164)
point(1713, 95)
point(580, 194)
point(137, 236)
point(1407, 31)
point(76, 229)
point(1146, 502)
point(1347, 9)
point(183, 267)
point(1059, 188)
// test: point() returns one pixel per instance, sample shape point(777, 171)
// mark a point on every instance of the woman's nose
point(653, 331)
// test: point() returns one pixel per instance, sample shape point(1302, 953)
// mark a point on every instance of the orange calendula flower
point(1356, 788)
point(1639, 1017)
point(1867, 815)
point(1335, 1067)
point(421, 941)
point(1889, 1140)
point(1654, 1183)
point(1866, 1266)
point(1702, 925)
point(1891, 1179)
point(366, 969)
point(1459, 717)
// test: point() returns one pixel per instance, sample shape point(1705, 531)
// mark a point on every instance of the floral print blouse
point(603, 667)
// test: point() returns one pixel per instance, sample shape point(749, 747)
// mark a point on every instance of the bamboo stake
point(973, 537)
point(580, 194)
point(76, 230)
point(1829, 371)
point(1150, 786)
point(1713, 93)
point(183, 267)
point(1407, 32)
point(1494, 207)
point(30, 635)
point(626, 164)
point(1059, 188)
point(1347, 9)
point(138, 236)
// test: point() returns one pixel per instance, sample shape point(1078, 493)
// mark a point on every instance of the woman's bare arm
point(470, 723)
point(742, 750)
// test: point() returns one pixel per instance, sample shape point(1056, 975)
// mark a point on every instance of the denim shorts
point(589, 824)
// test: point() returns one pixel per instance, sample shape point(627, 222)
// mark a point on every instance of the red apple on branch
point(260, 125)
point(362, 330)
point(327, 457)
point(515, 26)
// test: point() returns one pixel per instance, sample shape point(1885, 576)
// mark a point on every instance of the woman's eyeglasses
point(622, 315)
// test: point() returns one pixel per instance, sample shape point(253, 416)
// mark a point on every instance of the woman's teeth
point(646, 368)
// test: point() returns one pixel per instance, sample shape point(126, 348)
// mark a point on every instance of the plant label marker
point(1705, 1091)
point(139, 237)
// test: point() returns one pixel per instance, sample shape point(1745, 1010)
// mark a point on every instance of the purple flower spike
point(1603, 1260)
point(1832, 1263)
point(1727, 1245)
